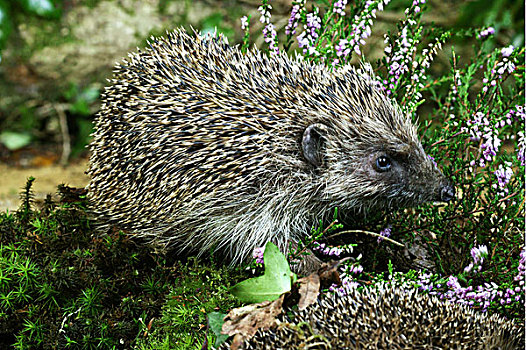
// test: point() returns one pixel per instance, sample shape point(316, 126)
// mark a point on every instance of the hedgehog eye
point(383, 163)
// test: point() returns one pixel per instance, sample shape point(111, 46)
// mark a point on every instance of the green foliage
point(27, 118)
point(276, 280)
point(80, 103)
point(62, 286)
point(215, 322)
point(215, 22)
point(200, 290)
point(43, 8)
point(77, 107)
point(5, 24)
point(501, 14)
point(14, 140)
point(81, 99)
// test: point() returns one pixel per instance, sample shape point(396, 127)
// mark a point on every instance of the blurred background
point(57, 54)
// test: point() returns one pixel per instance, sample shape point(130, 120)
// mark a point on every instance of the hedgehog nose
point(447, 193)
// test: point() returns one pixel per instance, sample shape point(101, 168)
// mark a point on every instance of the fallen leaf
point(309, 289)
point(245, 321)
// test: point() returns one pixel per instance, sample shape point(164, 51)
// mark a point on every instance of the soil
point(13, 179)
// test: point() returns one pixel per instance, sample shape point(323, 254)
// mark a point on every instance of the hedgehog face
point(403, 176)
point(379, 174)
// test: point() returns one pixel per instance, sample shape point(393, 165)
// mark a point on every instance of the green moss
point(62, 285)
point(202, 289)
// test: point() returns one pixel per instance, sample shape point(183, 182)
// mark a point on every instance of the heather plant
point(471, 115)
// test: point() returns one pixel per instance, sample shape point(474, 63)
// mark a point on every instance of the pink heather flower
point(505, 66)
point(265, 13)
point(339, 7)
point(486, 32)
point(307, 39)
point(329, 250)
point(480, 296)
point(313, 24)
point(293, 19)
point(347, 284)
point(507, 51)
point(503, 177)
point(386, 232)
point(521, 144)
point(303, 41)
point(478, 254)
point(269, 33)
point(244, 22)
point(312, 51)
point(432, 159)
point(468, 268)
point(398, 63)
point(491, 145)
point(481, 128)
point(258, 254)
point(341, 48)
point(361, 27)
point(356, 269)
point(453, 282)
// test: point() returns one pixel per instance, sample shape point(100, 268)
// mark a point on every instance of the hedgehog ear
point(312, 144)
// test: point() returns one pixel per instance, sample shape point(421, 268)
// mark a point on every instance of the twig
point(307, 246)
point(369, 233)
point(64, 130)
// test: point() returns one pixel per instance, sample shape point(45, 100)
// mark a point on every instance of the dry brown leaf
point(243, 322)
point(329, 273)
point(309, 289)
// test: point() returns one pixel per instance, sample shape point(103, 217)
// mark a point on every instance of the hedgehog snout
point(447, 192)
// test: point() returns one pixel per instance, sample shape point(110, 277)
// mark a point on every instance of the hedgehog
point(199, 147)
point(387, 317)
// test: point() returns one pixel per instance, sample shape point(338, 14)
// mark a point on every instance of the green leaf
point(80, 107)
point(5, 23)
point(84, 130)
point(89, 94)
point(215, 322)
point(276, 280)
point(44, 8)
point(14, 140)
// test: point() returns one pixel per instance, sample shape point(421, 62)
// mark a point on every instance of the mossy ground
point(63, 286)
